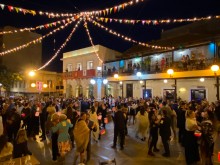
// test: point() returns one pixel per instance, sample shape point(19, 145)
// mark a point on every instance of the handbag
point(102, 132)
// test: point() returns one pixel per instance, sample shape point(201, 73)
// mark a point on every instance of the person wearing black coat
point(119, 127)
point(13, 121)
point(165, 132)
point(43, 119)
point(181, 120)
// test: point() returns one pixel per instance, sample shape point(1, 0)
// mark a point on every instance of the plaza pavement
point(134, 153)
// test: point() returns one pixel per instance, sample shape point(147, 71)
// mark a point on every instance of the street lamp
point(116, 76)
point(32, 73)
point(215, 68)
point(138, 74)
point(33, 85)
point(92, 81)
point(171, 72)
point(45, 86)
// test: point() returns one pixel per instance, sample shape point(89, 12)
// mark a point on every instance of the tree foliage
point(7, 77)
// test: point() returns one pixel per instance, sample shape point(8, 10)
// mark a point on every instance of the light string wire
point(47, 25)
point(154, 21)
point(91, 41)
point(61, 47)
point(35, 41)
point(127, 38)
point(115, 8)
point(35, 12)
point(105, 11)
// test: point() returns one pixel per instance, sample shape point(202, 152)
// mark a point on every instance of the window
point(69, 67)
point(89, 64)
point(78, 66)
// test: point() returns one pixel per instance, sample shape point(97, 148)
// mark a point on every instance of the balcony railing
point(79, 74)
point(178, 66)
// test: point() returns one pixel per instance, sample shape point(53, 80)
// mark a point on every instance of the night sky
point(149, 9)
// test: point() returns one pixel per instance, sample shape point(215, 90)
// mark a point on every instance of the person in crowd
point(153, 137)
point(165, 132)
point(133, 111)
point(94, 118)
point(54, 136)
point(104, 115)
point(6, 148)
point(50, 110)
point(81, 136)
point(25, 116)
point(20, 144)
point(191, 145)
point(63, 138)
point(142, 123)
point(119, 127)
point(35, 119)
point(125, 111)
point(43, 118)
point(93, 128)
point(207, 138)
point(13, 122)
point(181, 120)
point(4, 116)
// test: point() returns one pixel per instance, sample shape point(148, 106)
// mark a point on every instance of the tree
point(7, 78)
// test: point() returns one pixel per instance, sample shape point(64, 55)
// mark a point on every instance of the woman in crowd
point(142, 123)
point(207, 140)
point(94, 118)
point(153, 137)
point(191, 145)
point(6, 148)
point(81, 134)
point(63, 138)
point(20, 145)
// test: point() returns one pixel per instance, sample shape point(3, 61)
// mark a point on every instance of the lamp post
point(215, 68)
point(116, 76)
point(171, 72)
point(105, 82)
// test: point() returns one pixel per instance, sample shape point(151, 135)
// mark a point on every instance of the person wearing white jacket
point(142, 123)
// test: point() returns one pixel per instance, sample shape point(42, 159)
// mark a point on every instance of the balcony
point(80, 74)
point(178, 66)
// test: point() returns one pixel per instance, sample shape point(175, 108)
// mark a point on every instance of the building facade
point(196, 50)
point(43, 83)
point(81, 66)
point(24, 59)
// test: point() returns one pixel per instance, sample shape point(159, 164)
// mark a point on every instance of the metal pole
point(217, 86)
point(175, 93)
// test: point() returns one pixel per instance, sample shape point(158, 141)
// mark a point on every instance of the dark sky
point(149, 9)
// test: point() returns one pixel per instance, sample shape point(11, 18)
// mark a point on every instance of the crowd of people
point(75, 122)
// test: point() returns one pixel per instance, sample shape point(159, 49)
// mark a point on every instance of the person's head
point(164, 103)
point(83, 116)
point(21, 136)
point(93, 109)
point(209, 115)
point(142, 110)
point(164, 111)
point(3, 141)
point(190, 114)
point(118, 108)
point(63, 117)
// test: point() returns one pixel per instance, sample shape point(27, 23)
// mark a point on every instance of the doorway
point(129, 90)
point(169, 94)
point(147, 93)
point(198, 94)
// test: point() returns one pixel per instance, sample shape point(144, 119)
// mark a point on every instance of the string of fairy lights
point(38, 40)
point(154, 21)
point(126, 38)
point(106, 11)
point(92, 17)
point(45, 26)
point(91, 41)
point(61, 47)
